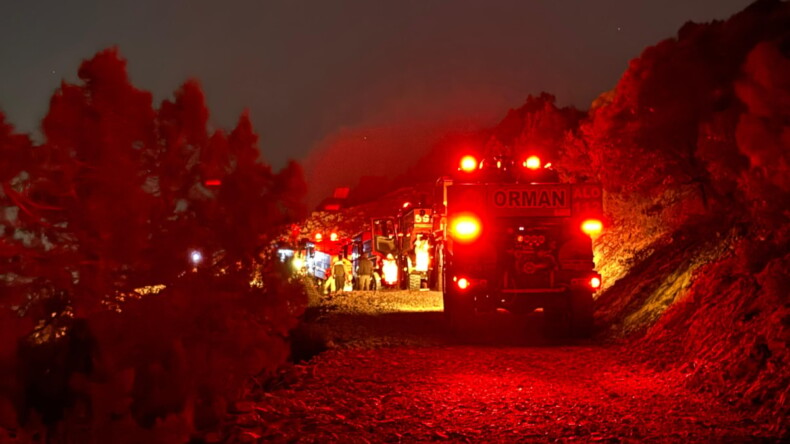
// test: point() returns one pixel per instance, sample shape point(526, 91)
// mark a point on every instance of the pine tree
point(107, 208)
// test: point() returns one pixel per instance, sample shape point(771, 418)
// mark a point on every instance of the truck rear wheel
point(581, 314)
point(556, 322)
point(459, 314)
point(571, 317)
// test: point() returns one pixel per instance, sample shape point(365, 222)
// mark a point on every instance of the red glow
point(466, 227)
point(463, 283)
point(333, 237)
point(595, 282)
point(592, 226)
point(213, 183)
point(532, 162)
point(468, 164)
point(341, 192)
point(319, 237)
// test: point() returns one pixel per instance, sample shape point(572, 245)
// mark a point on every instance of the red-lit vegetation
point(683, 146)
point(110, 333)
point(692, 148)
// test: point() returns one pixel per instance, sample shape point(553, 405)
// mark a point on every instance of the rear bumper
point(486, 297)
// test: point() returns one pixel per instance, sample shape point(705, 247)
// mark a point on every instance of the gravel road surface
point(393, 374)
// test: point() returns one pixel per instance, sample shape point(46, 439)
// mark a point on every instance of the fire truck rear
point(515, 238)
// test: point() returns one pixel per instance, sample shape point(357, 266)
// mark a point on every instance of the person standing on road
point(329, 281)
point(365, 273)
point(339, 273)
point(349, 273)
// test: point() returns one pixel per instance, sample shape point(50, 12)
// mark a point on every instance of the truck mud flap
point(460, 316)
point(572, 317)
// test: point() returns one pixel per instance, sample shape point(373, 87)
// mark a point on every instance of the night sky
point(314, 72)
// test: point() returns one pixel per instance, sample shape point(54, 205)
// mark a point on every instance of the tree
point(108, 209)
point(96, 135)
point(763, 133)
point(647, 137)
point(14, 209)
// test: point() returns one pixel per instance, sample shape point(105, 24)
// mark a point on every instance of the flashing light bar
point(468, 164)
point(532, 162)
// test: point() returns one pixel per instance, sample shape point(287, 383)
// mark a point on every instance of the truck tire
point(460, 316)
point(556, 322)
point(581, 314)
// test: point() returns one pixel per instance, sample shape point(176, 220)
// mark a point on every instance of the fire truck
point(376, 241)
point(408, 238)
point(415, 244)
point(511, 236)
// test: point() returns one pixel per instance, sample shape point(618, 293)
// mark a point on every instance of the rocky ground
point(392, 374)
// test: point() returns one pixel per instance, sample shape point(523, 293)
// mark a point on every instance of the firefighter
point(329, 281)
point(376, 279)
point(339, 274)
point(365, 273)
point(389, 269)
point(376, 283)
point(349, 284)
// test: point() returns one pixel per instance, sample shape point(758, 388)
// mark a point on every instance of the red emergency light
point(463, 283)
point(212, 183)
point(468, 164)
point(595, 282)
point(532, 162)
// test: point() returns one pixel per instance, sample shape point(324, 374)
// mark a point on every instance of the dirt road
point(393, 375)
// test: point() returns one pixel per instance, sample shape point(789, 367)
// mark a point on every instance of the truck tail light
point(462, 283)
point(591, 282)
point(468, 164)
point(592, 227)
point(465, 228)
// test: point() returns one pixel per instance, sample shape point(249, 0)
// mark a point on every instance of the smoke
point(385, 151)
